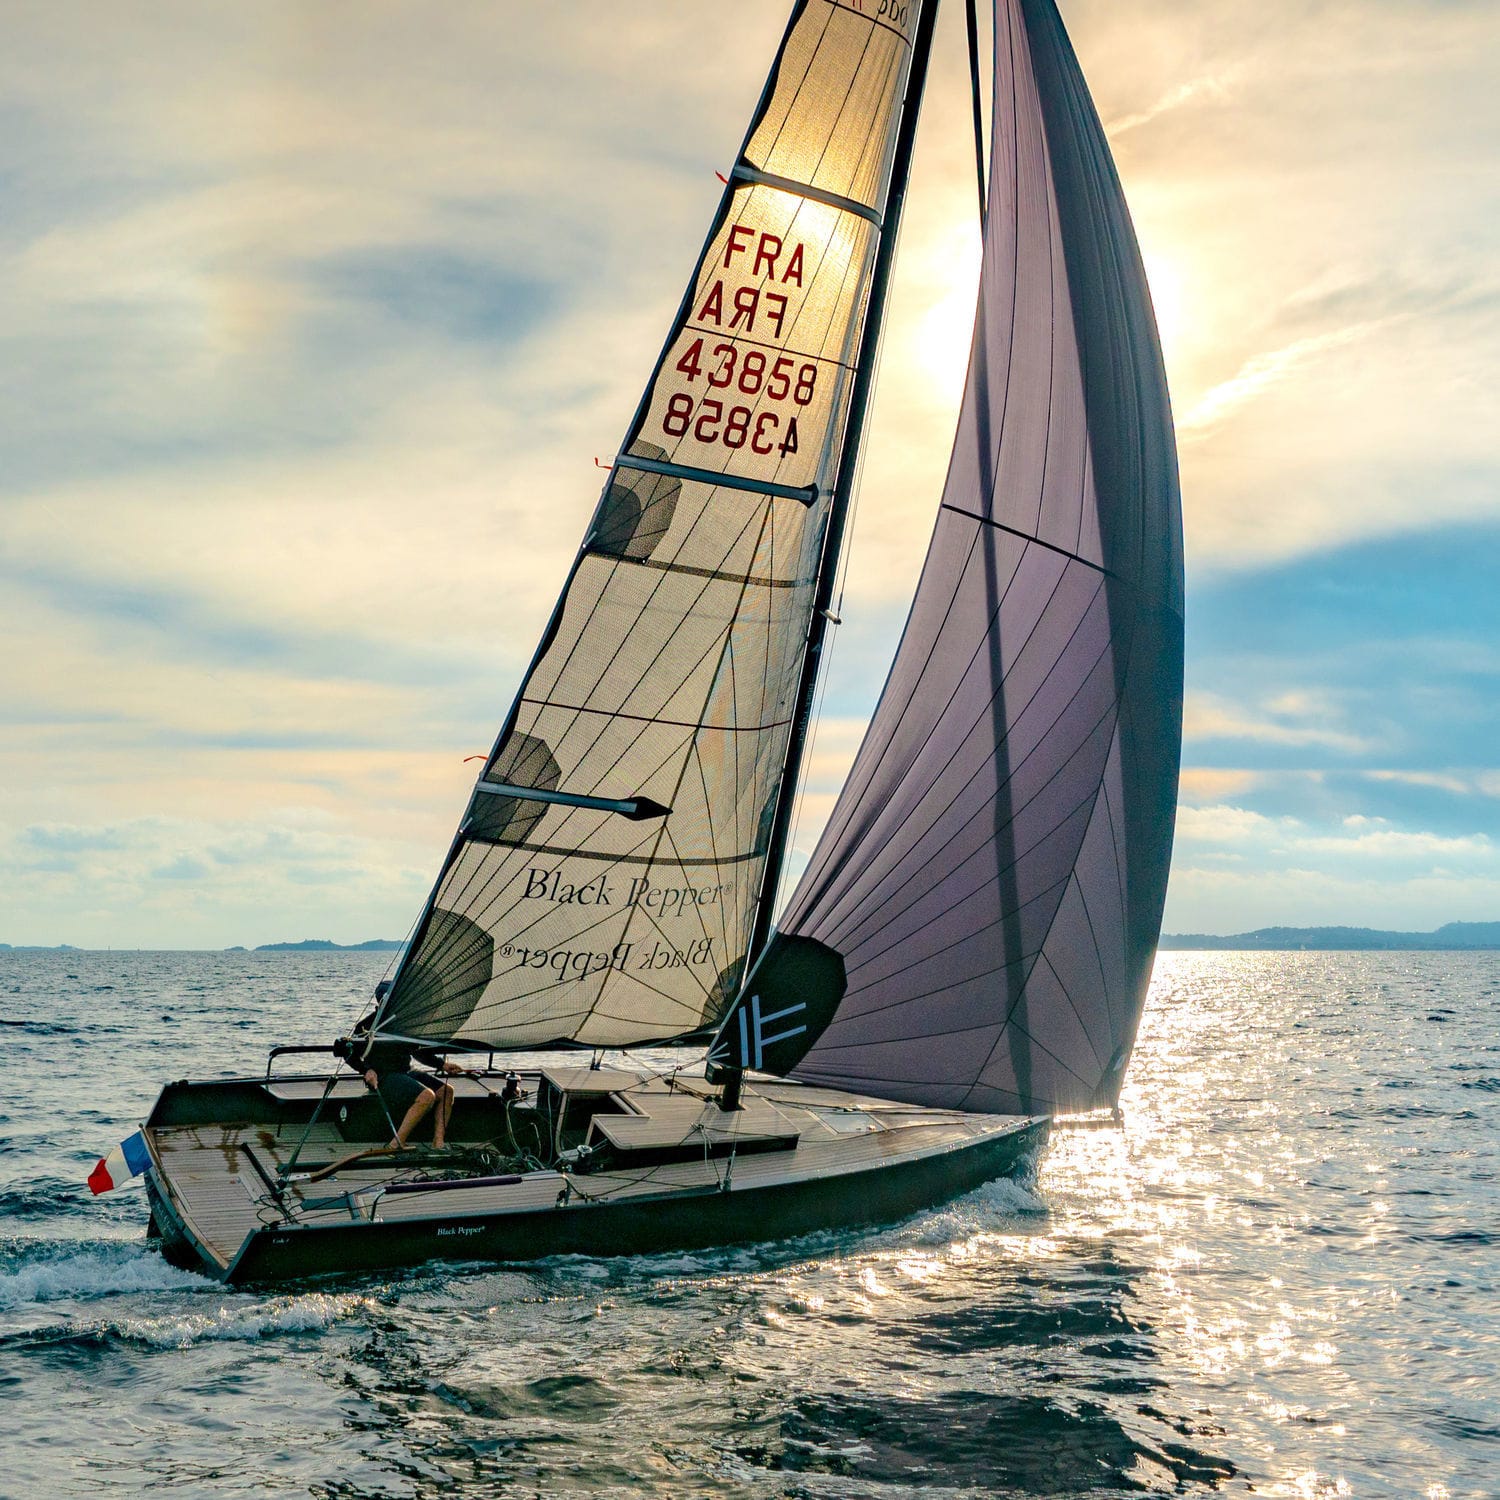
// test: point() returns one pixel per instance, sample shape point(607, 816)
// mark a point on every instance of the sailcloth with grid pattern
point(976, 927)
point(602, 885)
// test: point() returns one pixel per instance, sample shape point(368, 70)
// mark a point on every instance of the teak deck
point(678, 1172)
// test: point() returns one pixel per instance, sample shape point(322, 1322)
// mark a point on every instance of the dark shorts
point(401, 1090)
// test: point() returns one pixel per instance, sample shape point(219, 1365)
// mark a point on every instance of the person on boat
point(391, 1069)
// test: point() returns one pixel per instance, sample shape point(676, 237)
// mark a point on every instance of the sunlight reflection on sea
point(1278, 1277)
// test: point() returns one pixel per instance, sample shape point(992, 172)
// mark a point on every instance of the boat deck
point(222, 1177)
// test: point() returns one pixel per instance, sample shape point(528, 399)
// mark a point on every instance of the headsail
point(602, 885)
point(976, 927)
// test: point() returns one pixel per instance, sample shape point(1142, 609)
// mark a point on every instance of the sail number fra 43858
point(755, 374)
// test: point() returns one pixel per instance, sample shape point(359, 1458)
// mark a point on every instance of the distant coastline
point(1451, 937)
point(307, 945)
point(322, 945)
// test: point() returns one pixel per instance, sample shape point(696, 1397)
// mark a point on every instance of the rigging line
point(972, 16)
point(987, 707)
point(1015, 241)
point(1115, 847)
point(843, 564)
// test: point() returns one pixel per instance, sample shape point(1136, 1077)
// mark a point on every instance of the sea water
point(1278, 1277)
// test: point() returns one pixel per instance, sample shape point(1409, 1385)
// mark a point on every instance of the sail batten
point(603, 883)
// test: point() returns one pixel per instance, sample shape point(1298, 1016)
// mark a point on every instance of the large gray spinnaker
point(976, 927)
point(602, 885)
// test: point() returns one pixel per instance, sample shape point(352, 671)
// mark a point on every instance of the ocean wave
point(237, 1322)
point(42, 1197)
point(48, 1270)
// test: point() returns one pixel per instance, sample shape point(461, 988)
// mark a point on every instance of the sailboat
point(967, 952)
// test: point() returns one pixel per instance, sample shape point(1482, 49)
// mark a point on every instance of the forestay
point(976, 927)
point(602, 884)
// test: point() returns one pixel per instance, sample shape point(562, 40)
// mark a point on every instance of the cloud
point(1237, 869)
point(1202, 784)
point(181, 883)
point(1208, 716)
point(315, 330)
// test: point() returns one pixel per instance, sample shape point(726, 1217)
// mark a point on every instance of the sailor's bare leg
point(414, 1116)
point(444, 1114)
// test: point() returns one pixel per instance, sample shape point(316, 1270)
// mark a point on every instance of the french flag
point(129, 1159)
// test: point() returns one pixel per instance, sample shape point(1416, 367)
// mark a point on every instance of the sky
point(315, 318)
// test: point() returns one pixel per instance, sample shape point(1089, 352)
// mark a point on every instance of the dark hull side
point(680, 1220)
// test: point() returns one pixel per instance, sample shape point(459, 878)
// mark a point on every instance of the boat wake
point(234, 1321)
point(37, 1271)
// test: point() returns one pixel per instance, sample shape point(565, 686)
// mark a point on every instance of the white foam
point(236, 1321)
point(94, 1272)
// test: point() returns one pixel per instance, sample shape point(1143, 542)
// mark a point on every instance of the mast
point(976, 926)
point(843, 493)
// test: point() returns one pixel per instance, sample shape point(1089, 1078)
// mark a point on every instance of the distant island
point(322, 945)
point(1452, 935)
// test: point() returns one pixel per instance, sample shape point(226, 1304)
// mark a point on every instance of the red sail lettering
point(767, 253)
point(735, 244)
point(712, 310)
point(746, 299)
point(776, 309)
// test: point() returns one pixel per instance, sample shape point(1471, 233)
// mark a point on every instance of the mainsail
point(977, 925)
point(603, 883)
